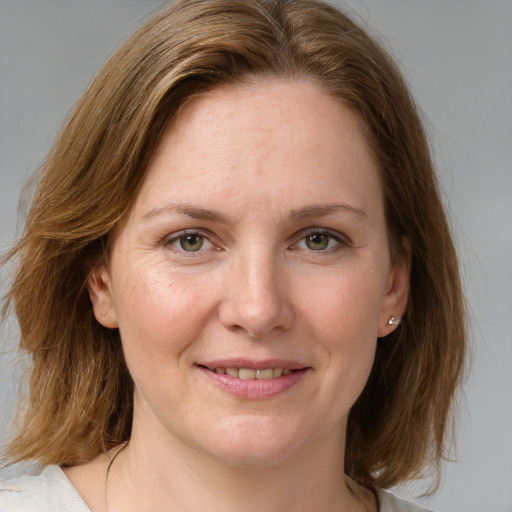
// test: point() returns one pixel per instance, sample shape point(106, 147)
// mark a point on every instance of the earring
point(394, 320)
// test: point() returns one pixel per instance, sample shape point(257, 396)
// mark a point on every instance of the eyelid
point(342, 239)
point(174, 237)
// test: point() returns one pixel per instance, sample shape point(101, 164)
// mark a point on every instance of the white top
point(51, 491)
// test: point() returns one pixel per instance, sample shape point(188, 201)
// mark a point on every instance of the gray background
point(457, 55)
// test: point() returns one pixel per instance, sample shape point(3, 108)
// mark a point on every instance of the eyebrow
point(307, 212)
point(195, 212)
point(320, 210)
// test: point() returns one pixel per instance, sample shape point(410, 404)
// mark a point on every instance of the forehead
point(272, 139)
point(291, 113)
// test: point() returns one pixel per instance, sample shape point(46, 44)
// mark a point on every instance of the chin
point(256, 442)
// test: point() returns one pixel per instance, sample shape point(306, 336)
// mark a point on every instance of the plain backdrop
point(457, 56)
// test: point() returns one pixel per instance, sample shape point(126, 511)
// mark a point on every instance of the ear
point(100, 293)
point(397, 292)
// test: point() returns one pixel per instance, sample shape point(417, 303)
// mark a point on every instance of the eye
point(317, 241)
point(320, 241)
point(190, 242)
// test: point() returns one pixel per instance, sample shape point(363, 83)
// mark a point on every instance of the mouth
point(250, 373)
point(251, 380)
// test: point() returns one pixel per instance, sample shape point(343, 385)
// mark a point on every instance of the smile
point(265, 381)
point(251, 373)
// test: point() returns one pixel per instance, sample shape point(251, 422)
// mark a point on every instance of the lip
point(252, 364)
point(254, 389)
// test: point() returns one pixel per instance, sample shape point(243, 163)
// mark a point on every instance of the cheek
point(345, 305)
point(159, 314)
point(342, 316)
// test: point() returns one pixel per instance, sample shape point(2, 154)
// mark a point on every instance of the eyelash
point(176, 240)
point(339, 240)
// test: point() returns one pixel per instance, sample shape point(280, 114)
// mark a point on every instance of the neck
point(153, 473)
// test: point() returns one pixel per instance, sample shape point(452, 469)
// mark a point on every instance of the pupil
point(191, 242)
point(317, 241)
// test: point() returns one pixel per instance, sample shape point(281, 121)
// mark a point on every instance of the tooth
point(265, 374)
point(246, 373)
point(277, 372)
point(232, 371)
point(220, 370)
point(286, 371)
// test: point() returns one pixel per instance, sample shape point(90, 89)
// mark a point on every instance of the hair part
point(81, 395)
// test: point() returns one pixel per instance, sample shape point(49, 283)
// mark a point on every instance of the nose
point(256, 297)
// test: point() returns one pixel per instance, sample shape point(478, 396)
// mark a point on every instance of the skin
point(251, 171)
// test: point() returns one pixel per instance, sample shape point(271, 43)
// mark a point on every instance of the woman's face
point(251, 278)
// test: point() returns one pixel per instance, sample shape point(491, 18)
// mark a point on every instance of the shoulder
point(50, 491)
point(391, 503)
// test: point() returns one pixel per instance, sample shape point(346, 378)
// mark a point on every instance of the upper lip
point(252, 364)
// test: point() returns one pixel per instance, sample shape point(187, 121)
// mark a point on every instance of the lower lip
point(254, 389)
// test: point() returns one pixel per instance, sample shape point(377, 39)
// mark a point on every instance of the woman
point(236, 280)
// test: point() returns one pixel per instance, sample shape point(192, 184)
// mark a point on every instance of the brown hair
point(80, 400)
